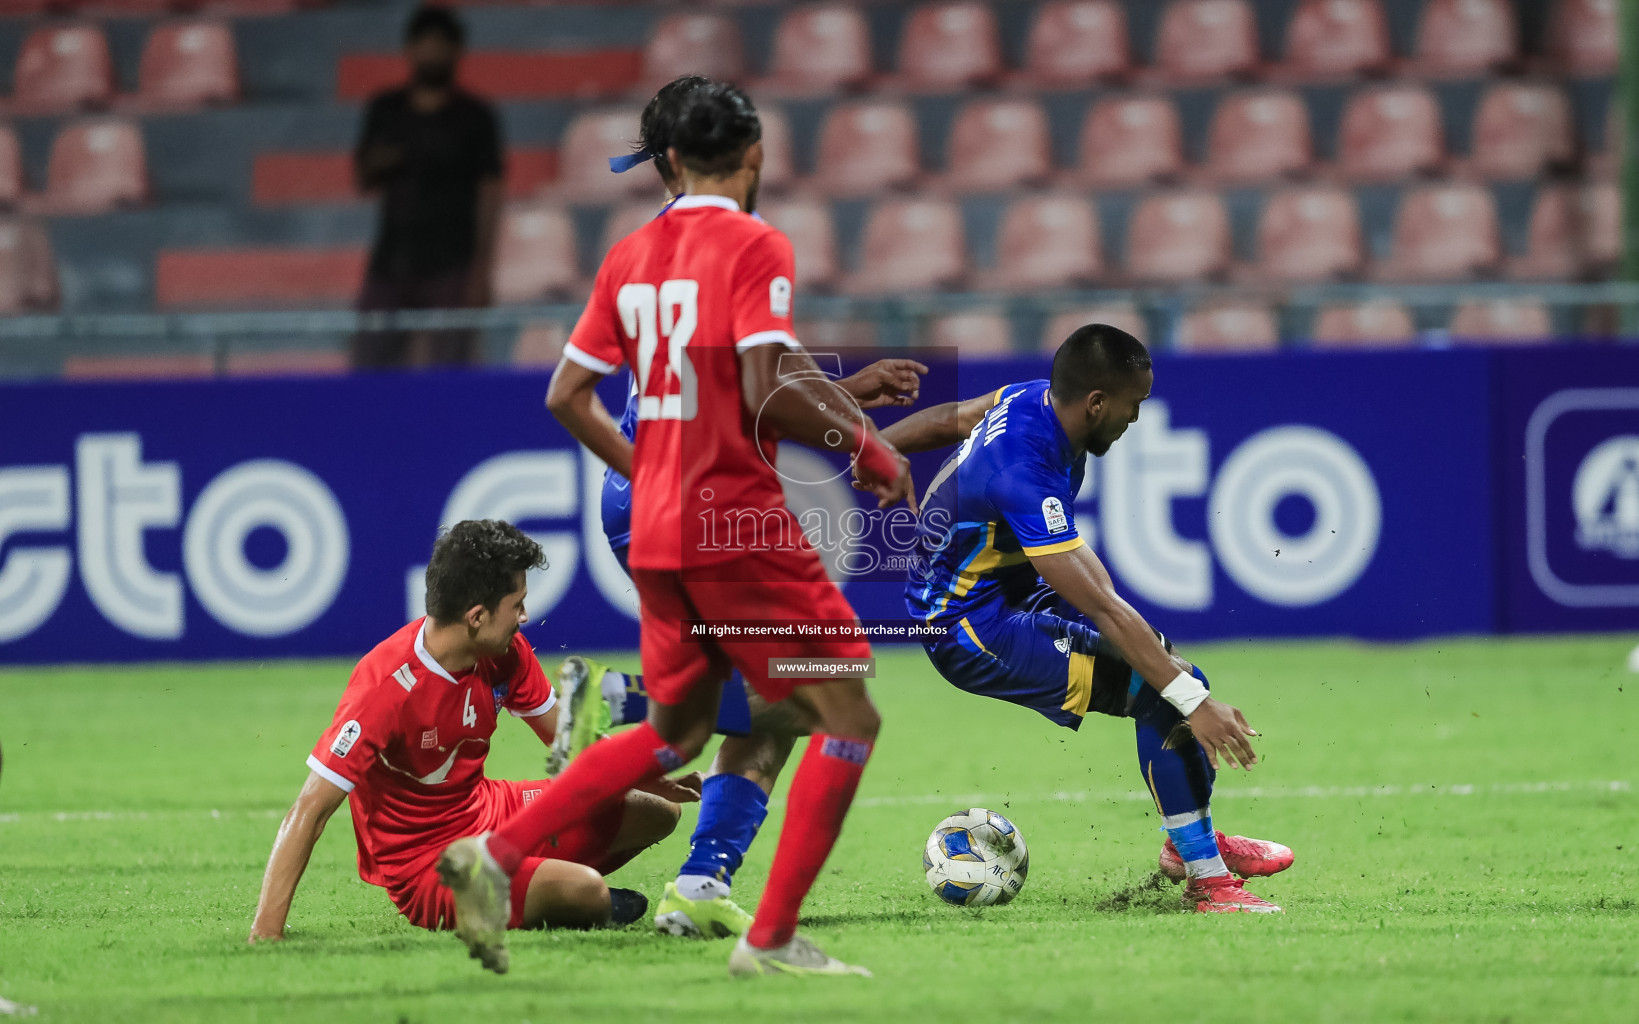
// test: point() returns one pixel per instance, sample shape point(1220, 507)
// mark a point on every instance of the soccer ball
point(976, 858)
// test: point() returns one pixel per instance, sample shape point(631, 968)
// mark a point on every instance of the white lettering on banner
point(284, 598)
point(1322, 562)
point(121, 498)
point(517, 487)
point(1143, 473)
point(607, 575)
point(1605, 495)
point(33, 580)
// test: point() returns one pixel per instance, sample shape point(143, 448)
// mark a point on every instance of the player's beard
point(751, 193)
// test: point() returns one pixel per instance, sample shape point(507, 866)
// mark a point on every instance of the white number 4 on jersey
point(469, 716)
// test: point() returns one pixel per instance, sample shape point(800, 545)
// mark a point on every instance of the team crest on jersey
point(1063, 645)
point(530, 794)
point(345, 739)
point(429, 738)
point(1052, 512)
point(499, 693)
point(779, 296)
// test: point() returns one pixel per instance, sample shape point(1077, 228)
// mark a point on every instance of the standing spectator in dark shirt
point(433, 151)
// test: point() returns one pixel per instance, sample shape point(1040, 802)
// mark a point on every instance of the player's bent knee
point(648, 819)
point(563, 894)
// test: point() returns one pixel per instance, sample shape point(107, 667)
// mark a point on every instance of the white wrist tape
point(1184, 693)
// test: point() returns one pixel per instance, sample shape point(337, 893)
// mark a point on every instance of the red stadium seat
point(1076, 42)
point(778, 167)
point(1310, 234)
point(1501, 320)
point(1377, 324)
point(1202, 39)
point(866, 147)
point(998, 144)
point(1331, 38)
point(62, 68)
point(28, 272)
point(11, 167)
point(1582, 36)
point(693, 44)
point(1230, 326)
point(1046, 242)
point(287, 362)
point(813, 240)
point(1257, 135)
point(1122, 315)
point(535, 256)
point(1572, 232)
point(1179, 237)
point(623, 220)
point(188, 64)
point(975, 334)
point(1443, 233)
point(540, 343)
point(1601, 209)
point(1391, 132)
point(1522, 130)
point(834, 334)
point(949, 46)
point(1465, 37)
point(96, 165)
point(821, 49)
point(1128, 141)
point(250, 277)
point(164, 366)
point(583, 158)
point(910, 245)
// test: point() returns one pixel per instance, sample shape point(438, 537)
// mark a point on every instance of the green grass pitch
point(1467, 850)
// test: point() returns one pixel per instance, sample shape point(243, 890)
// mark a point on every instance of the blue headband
point(622, 164)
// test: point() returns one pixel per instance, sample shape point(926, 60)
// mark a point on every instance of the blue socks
point(629, 703)
point(732, 809)
point(1180, 781)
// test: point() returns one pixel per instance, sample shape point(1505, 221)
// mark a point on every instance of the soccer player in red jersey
point(408, 745)
point(699, 303)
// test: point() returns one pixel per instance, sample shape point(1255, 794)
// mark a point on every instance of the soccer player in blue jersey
point(759, 736)
point(1032, 617)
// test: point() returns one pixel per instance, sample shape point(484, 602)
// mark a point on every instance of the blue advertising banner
point(1289, 495)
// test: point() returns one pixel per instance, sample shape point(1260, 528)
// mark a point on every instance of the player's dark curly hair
point(475, 562)
point(1096, 357)
point(435, 19)
point(716, 124)
point(655, 126)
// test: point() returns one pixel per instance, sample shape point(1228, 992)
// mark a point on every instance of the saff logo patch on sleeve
point(345, 739)
point(779, 296)
point(1052, 513)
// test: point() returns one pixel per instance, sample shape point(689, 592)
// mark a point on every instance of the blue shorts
point(734, 712)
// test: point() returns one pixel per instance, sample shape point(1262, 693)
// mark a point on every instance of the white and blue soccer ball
point(976, 858)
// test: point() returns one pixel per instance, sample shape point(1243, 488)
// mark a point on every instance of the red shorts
point(427, 904)
point(780, 586)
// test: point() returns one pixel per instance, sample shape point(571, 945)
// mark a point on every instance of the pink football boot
point(1248, 858)
point(1225, 894)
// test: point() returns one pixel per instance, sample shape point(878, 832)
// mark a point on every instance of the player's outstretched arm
point(885, 382)
point(292, 847)
point(938, 426)
point(1080, 578)
point(573, 398)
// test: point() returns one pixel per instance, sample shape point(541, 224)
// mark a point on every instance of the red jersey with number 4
point(678, 300)
point(408, 744)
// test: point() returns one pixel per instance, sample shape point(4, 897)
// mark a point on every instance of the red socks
point(820, 794)
point(605, 770)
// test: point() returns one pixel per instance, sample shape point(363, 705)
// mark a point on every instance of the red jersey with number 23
point(678, 300)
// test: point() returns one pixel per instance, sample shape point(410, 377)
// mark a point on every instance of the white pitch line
point(982, 799)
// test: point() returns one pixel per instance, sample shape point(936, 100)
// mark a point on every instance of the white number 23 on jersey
point(649, 314)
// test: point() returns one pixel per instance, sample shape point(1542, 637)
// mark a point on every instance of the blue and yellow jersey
point(1004, 495)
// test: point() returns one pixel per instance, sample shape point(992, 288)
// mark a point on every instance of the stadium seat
point(623, 220)
point(1335, 38)
point(1377, 324)
point(252, 277)
point(1206, 39)
point(1310, 234)
point(813, 240)
point(583, 158)
point(63, 68)
point(820, 49)
point(1443, 233)
point(999, 144)
point(1046, 242)
point(866, 147)
point(1601, 209)
point(188, 64)
point(1179, 237)
point(1122, 315)
point(1076, 43)
point(535, 256)
point(28, 273)
point(1128, 141)
point(1259, 135)
point(1391, 132)
point(834, 334)
point(1505, 320)
point(540, 343)
point(778, 167)
point(975, 334)
point(949, 46)
point(1573, 231)
point(910, 245)
point(11, 167)
point(96, 165)
point(1466, 37)
point(1582, 36)
point(1522, 130)
point(694, 43)
point(286, 362)
point(1229, 326)
point(152, 366)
